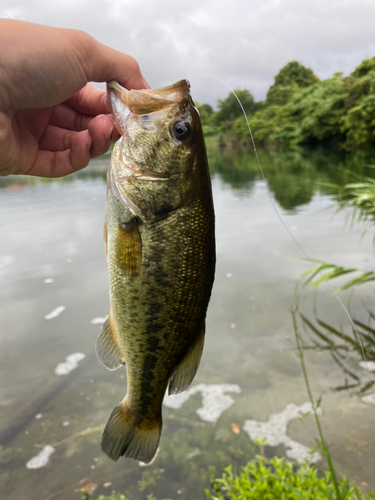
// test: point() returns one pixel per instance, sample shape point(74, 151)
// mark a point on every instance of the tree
point(365, 67)
point(229, 109)
point(291, 77)
point(206, 112)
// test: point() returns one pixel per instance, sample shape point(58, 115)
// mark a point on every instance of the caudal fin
point(125, 435)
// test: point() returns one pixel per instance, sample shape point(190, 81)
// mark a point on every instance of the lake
point(55, 396)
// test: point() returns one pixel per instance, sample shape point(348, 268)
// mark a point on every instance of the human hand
point(52, 121)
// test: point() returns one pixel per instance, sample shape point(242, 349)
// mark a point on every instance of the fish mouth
point(147, 101)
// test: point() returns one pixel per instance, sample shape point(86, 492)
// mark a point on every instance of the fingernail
point(106, 104)
point(147, 85)
point(108, 134)
point(88, 146)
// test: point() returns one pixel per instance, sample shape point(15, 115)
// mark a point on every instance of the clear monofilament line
point(275, 207)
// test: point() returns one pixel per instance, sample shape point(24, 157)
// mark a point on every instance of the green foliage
point(205, 111)
point(290, 78)
point(359, 122)
point(278, 479)
point(301, 109)
point(229, 109)
point(295, 73)
point(318, 110)
point(366, 66)
point(323, 272)
point(360, 196)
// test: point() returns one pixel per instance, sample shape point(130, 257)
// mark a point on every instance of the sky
point(242, 42)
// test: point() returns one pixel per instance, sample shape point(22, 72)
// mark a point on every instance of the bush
point(278, 479)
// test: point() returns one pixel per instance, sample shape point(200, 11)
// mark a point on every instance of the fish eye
point(181, 130)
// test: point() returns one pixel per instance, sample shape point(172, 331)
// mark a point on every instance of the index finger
point(90, 100)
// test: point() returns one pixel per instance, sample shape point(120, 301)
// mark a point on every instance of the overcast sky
point(243, 42)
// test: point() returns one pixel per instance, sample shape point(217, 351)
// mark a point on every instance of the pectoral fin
point(107, 348)
point(186, 370)
point(128, 248)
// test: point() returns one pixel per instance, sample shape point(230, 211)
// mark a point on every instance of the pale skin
point(52, 121)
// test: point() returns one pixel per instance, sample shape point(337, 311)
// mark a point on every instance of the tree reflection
point(293, 175)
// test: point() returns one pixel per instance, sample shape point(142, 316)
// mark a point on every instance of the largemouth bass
point(159, 238)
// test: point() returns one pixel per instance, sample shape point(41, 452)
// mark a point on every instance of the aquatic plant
point(360, 196)
point(322, 444)
point(9, 454)
point(150, 478)
point(7, 458)
point(314, 276)
point(347, 351)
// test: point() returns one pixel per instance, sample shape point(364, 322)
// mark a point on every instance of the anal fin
point(186, 370)
point(107, 348)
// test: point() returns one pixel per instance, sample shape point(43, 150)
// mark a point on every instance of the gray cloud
point(243, 42)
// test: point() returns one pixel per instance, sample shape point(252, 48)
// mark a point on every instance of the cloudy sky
point(243, 42)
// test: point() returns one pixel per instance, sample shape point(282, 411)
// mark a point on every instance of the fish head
point(159, 160)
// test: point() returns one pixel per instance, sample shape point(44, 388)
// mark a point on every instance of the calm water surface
point(51, 256)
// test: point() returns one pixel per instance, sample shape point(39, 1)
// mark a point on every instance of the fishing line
point(276, 210)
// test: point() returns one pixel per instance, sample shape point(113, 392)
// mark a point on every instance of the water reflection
point(292, 175)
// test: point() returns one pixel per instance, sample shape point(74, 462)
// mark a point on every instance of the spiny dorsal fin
point(107, 348)
point(128, 248)
point(186, 370)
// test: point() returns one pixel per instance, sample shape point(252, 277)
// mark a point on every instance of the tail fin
point(126, 435)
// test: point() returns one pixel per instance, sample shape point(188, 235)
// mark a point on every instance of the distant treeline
point(302, 109)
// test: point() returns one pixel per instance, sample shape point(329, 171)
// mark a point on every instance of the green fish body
point(159, 238)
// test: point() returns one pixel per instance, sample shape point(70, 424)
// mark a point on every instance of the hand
point(52, 121)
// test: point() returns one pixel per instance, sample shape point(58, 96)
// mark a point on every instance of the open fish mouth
point(141, 102)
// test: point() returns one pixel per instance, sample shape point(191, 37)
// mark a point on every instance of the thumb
point(102, 64)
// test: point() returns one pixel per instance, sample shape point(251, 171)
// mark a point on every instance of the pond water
point(55, 396)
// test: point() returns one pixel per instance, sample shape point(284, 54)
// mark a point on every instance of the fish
point(159, 237)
